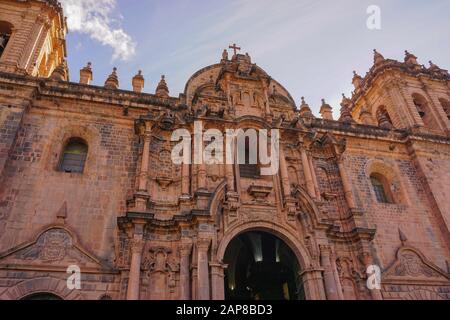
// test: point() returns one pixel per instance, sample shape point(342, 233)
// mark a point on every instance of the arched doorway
point(261, 267)
point(42, 296)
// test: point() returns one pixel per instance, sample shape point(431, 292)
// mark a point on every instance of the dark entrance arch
point(42, 296)
point(261, 267)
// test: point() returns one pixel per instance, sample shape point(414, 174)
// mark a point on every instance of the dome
point(240, 73)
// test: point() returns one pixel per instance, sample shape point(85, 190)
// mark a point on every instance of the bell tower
point(403, 95)
point(32, 37)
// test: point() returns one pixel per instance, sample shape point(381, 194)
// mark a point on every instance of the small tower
point(60, 73)
point(410, 59)
point(138, 82)
point(162, 90)
point(326, 111)
point(377, 57)
point(305, 110)
point(113, 80)
point(357, 81)
point(346, 115)
point(86, 74)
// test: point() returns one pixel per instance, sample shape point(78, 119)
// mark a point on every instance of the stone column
point(436, 109)
point(201, 176)
point(407, 115)
point(217, 281)
point(314, 177)
point(185, 254)
point(203, 269)
point(284, 174)
point(328, 274)
point(185, 176)
point(229, 167)
point(367, 259)
point(307, 172)
point(194, 277)
point(143, 175)
point(313, 283)
point(230, 177)
point(346, 183)
point(134, 277)
point(28, 52)
point(337, 279)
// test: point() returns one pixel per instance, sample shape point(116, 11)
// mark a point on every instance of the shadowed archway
point(261, 267)
point(43, 296)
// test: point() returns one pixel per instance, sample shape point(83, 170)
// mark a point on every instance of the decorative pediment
point(411, 266)
point(54, 248)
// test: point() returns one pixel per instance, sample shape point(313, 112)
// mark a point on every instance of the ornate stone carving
point(158, 260)
point(54, 247)
point(161, 271)
point(412, 265)
point(232, 203)
point(311, 246)
point(51, 246)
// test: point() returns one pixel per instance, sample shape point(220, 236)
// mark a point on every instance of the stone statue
point(225, 55)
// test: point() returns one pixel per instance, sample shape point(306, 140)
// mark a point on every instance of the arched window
point(420, 105)
point(5, 35)
point(383, 118)
point(381, 188)
point(74, 156)
point(424, 111)
point(446, 106)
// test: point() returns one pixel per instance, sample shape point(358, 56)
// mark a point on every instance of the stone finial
point(86, 74)
point(377, 57)
point(225, 55)
point(326, 111)
point(60, 72)
point(248, 58)
point(402, 237)
point(113, 81)
point(305, 110)
point(410, 59)
point(433, 66)
point(357, 80)
point(162, 90)
point(138, 82)
point(437, 70)
point(346, 101)
point(346, 115)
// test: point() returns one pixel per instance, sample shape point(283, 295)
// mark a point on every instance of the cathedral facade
point(358, 209)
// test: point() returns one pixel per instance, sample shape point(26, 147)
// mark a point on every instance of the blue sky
point(310, 46)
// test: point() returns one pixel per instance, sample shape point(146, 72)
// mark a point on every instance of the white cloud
point(96, 18)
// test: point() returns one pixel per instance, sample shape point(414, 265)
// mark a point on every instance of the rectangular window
point(249, 170)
